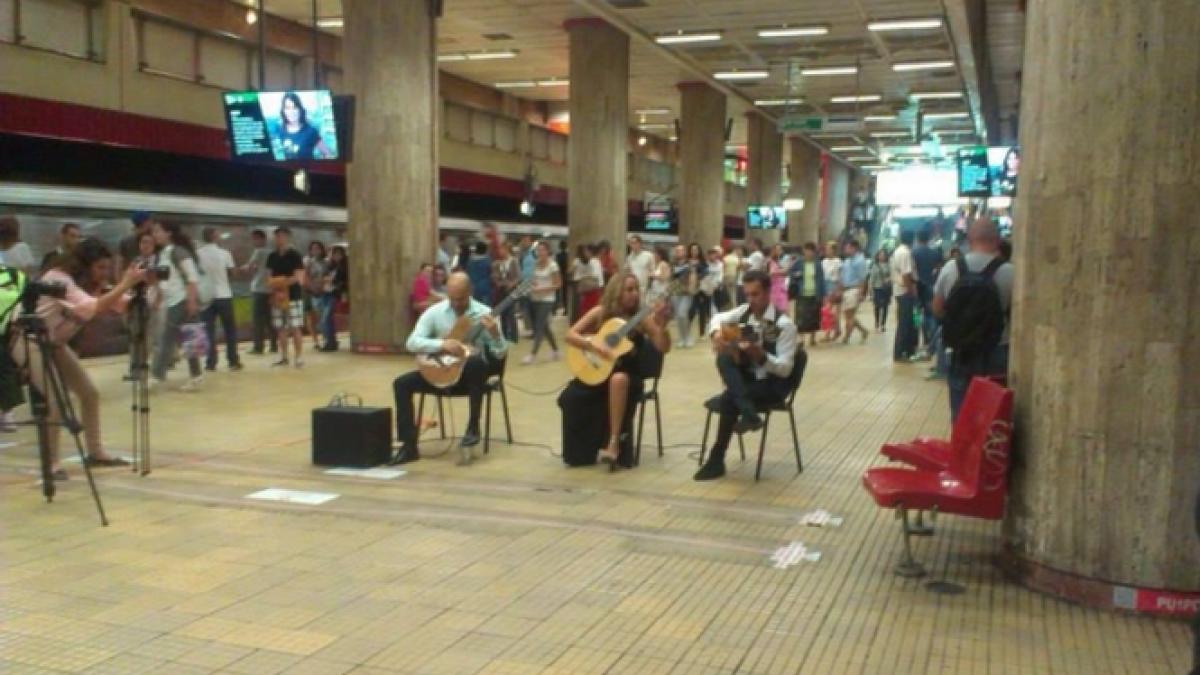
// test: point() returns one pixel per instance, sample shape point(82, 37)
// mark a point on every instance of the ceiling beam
point(605, 11)
point(966, 23)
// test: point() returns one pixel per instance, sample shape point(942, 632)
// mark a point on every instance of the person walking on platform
point(257, 268)
point(852, 288)
point(682, 287)
point(808, 286)
point(286, 280)
point(973, 297)
point(879, 279)
point(546, 281)
point(755, 371)
point(926, 260)
point(215, 263)
point(904, 287)
point(831, 264)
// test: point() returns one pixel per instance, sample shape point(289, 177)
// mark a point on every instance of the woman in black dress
point(586, 433)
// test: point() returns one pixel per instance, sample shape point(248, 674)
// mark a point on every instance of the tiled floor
point(517, 565)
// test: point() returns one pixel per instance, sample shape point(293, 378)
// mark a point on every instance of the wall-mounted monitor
point(765, 217)
point(1004, 163)
point(282, 126)
point(974, 174)
point(658, 221)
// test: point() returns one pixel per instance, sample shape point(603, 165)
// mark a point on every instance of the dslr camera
point(158, 272)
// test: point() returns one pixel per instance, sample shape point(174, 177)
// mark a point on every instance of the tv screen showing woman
point(301, 123)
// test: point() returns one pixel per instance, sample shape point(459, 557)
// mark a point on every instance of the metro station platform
point(516, 564)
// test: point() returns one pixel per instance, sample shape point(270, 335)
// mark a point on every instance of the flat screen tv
point(658, 221)
point(974, 174)
point(1004, 163)
point(282, 126)
point(766, 217)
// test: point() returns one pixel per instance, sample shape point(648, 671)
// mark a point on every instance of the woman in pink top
point(779, 279)
point(83, 271)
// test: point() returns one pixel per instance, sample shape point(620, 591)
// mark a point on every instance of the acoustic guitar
point(444, 370)
point(592, 368)
point(733, 333)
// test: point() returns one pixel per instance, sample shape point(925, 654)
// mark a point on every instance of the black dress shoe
point(106, 461)
point(405, 456)
point(710, 471)
point(748, 422)
point(469, 439)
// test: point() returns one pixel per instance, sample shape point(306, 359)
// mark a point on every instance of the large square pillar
point(702, 155)
point(598, 206)
point(805, 167)
point(764, 182)
point(389, 55)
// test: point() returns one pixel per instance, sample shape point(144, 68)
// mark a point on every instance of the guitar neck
point(634, 322)
point(499, 309)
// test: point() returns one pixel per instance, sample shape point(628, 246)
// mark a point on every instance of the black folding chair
point(650, 362)
point(713, 405)
point(494, 385)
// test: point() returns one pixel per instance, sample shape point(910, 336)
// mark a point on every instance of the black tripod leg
point(52, 379)
point(38, 404)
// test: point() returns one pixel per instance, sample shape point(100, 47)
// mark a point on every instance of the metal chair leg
point(704, 442)
point(487, 423)
point(441, 415)
point(795, 442)
point(658, 424)
point(420, 413)
point(762, 446)
point(742, 447)
point(641, 425)
point(908, 568)
point(507, 421)
point(919, 528)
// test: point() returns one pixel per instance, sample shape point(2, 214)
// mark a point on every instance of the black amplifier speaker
point(347, 435)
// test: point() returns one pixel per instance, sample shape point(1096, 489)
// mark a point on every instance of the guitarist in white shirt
point(428, 337)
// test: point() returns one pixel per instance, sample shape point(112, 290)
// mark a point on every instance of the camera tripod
point(139, 372)
point(35, 336)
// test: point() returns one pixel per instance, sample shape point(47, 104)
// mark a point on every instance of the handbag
point(193, 341)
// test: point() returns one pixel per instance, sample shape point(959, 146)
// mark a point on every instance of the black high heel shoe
point(610, 460)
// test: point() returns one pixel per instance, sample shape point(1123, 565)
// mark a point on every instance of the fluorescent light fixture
point(554, 82)
point(829, 70)
point(793, 31)
point(681, 37)
point(869, 158)
point(488, 56)
point(924, 95)
point(890, 134)
point(793, 204)
point(251, 17)
point(947, 116)
point(830, 134)
point(847, 148)
point(653, 111)
point(647, 127)
point(910, 66)
point(331, 22)
point(767, 102)
point(904, 24)
point(858, 98)
point(735, 75)
point(876, 167)
point(523, 84)
point(642, 140)
point(879, 118)
point(448, 58)
point(906, 150)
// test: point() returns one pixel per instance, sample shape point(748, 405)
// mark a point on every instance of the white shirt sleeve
point(420, 340)
point(730, 316)
point(781, 363)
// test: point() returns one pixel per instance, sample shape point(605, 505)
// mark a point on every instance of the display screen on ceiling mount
point(760, 217)
point(282, 126)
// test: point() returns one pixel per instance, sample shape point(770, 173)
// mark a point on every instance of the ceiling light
point(947, 116)
point(251, 17)
point(829, 70)
point(681, 37)
point(488, 56)
point(879, 118)
point(766, 102)
point(904, 24)
point(447, 58)
point(906, 150)
point(742, 75)
point(864, 98)
point(523, 84)
point(847, 148)
point(673, 138)
point(792, 31)
point(653, 111)
point(876, 167)
point(331, 22)
point(793, 204)
point(868, 158)
point(890, 134)
point(921, 65)
point(648, 127)
point(923, 95)
point(641, 140)
point(553, 82)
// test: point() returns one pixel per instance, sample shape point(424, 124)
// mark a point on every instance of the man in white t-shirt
point(904, 287)
point(640, 262)
point(215, 263)
point(756, 261)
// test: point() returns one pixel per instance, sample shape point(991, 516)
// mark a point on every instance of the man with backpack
point(972, 297)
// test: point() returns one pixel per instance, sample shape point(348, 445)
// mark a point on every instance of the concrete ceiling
point(534, 29)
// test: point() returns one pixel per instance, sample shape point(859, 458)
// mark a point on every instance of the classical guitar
point(733, 333)
point(593, 369)
point(445, 370)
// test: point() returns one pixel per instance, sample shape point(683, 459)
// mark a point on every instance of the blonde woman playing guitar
point(608, 338)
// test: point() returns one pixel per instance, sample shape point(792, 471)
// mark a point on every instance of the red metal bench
point(984, 397)
point(974, 483)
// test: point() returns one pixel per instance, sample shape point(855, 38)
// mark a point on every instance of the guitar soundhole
point(611, 341)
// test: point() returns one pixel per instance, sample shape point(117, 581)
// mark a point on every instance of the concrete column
point(702, 155)
point(389, 55)
point(837, 200)
point(805, 166)
point(1105, 356)
point(765, 148)
point(598, 209)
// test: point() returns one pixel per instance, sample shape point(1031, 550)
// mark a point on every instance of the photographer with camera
point(180, 294)
point(68, 296)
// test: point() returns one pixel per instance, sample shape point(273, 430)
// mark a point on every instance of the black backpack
point(974, 317)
